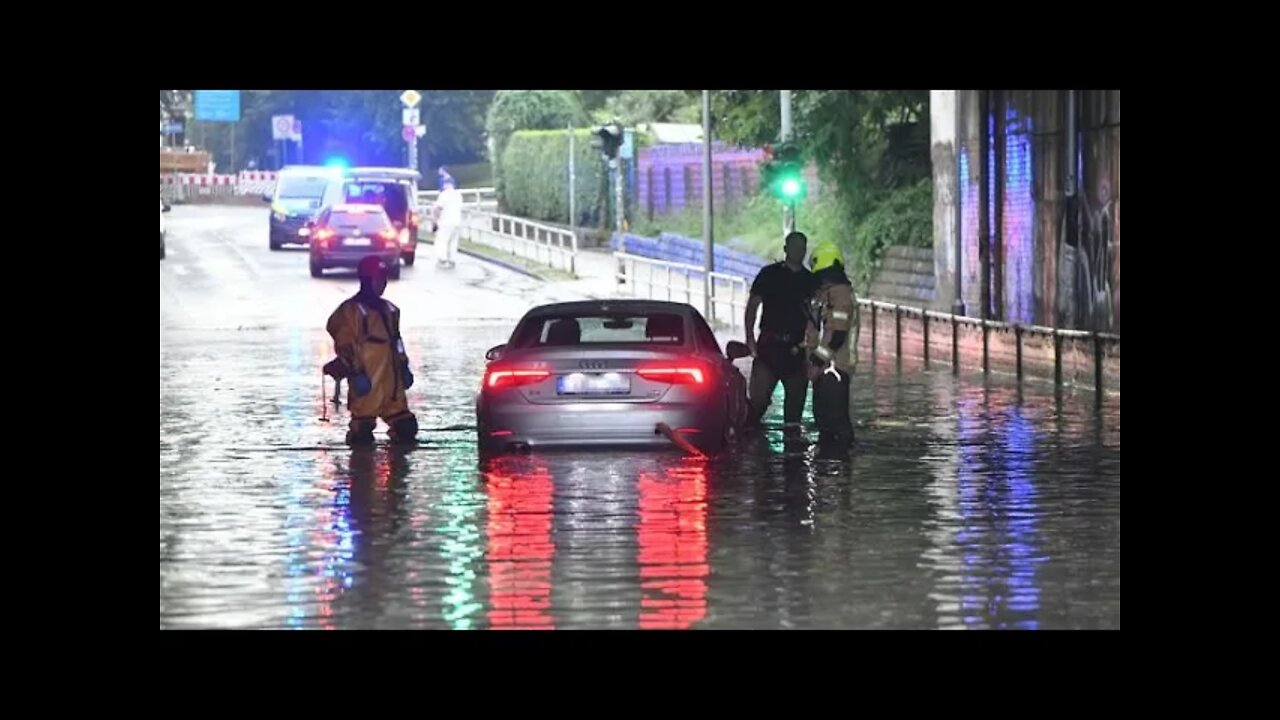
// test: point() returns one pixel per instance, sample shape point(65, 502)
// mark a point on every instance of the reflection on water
point(672, 538)
point(520, 549)
point(996, 502)
point(964, 505)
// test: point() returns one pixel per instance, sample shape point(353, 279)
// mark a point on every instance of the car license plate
point(357, 242)
point(593, 384)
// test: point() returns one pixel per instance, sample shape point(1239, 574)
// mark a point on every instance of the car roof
point(309, 171)
point(358, 208)
point(384, 173)
point(587, 307)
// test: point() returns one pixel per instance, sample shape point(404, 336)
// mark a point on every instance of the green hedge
point(535, 171)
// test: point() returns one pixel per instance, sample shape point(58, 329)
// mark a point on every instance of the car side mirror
point(736, 350)
point(495, 352)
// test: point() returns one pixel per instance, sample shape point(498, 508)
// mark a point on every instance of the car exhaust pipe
point(665, 430)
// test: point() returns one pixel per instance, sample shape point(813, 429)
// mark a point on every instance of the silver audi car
point(611, 373)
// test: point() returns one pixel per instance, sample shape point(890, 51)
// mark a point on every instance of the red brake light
point(682, 374)
point(415, 219)
point(497, 379)
point(404, 237)
point(389, 235)
point(324, 236)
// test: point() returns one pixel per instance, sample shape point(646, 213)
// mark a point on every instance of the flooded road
point(966, 504)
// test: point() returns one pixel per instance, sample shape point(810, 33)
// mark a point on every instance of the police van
point(301, 192)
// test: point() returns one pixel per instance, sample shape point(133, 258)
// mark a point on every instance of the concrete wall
point(1046, 275)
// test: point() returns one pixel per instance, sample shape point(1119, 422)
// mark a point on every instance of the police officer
point(371, 356)
point(785, 289)
point(832, 339)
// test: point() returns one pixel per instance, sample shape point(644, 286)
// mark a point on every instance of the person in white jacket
point(448, 220)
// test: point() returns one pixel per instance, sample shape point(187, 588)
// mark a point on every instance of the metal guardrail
point(485, 198)
point(1104, 347)
point(544, 244)
point(693, 285)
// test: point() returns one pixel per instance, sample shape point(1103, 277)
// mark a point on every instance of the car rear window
point(368, 222)
point(631, 329)
point(392, 196)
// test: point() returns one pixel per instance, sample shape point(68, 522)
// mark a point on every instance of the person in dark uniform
point(785, 289)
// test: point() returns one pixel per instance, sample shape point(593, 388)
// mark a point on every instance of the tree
point(872, 145)
point(514, 110)
point(644, 106)
point(363, 127)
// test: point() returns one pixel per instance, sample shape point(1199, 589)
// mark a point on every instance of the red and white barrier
point(249, 182)
point(198, 180)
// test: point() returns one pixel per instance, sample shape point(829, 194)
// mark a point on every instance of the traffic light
point(783, 172)
point(608, 139)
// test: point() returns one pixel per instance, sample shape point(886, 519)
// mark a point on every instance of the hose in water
point(678, 441)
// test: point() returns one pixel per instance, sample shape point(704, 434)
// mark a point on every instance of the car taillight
point(500, 378)
point(324, 236)
point(682, 374)
point(404, 237)
point(388, 235)
point(415, 219)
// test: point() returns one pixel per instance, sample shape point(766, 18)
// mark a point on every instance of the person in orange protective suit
point(371, 357)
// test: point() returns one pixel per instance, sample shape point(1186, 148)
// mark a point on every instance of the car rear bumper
point(351, 258)
point(592, 424)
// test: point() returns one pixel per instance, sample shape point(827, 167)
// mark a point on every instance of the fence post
point(986, 334)
point(875, 341)
point(924, 318)
point(1017, 333)
point(897, 329)
point(1057, 358)
point(955, 346)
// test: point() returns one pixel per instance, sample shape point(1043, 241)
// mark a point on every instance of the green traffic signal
point(791, 188)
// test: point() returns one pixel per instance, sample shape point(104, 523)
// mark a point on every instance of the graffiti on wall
point(1086, 297)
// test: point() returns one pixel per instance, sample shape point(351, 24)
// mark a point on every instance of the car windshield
point(298, 187)
point(598, 329)
point(365, 222)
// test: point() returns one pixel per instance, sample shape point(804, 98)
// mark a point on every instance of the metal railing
point(685, 283)
point(485, 198)
point(1093, 357)
point(544, 244)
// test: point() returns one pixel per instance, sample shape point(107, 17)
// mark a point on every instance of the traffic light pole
point(708, 237)
point(619, 194)
point(789, 213)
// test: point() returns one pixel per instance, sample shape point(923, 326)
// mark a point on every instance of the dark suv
point(396, 190)
point(343, 235)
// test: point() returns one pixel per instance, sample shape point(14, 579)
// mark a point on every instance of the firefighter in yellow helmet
point(832, 340)
point(371, 357)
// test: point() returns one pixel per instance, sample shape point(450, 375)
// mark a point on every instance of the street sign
point(218, 105)
point(171, 129)
point(297, 129)
point(282, 127)
point(420, 130)
point(408, 134)
point(410, 116)
point(411, 98)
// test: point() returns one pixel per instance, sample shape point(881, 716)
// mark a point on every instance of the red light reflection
point(672, 535)
point(520, 547)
